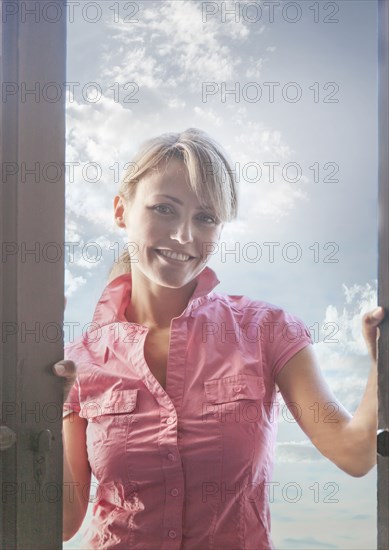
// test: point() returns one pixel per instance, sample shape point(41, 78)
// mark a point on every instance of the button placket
point(173, 478)
point(169, 450)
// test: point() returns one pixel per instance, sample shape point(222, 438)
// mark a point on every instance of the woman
point(173, 405)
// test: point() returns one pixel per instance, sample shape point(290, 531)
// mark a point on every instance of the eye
point(207, 218)
point(162, 208)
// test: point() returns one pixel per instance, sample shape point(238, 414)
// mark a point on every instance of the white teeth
point(174, 255)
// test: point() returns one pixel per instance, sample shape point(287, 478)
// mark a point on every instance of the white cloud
point(72, 283)
point(346, 323)
point(136, 66)
point(297, 451)
point(255, 68)
point(208, 115)
point(176, 103)
point(342, 351)
point(264, 191)
point(173, 43)
point(100, 139)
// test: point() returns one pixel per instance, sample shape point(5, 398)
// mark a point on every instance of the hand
point(67, 370)
point(370, 330)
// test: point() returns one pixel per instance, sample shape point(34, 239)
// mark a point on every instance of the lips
point(173, 255)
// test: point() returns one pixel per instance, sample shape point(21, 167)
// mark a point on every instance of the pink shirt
point(187, 468)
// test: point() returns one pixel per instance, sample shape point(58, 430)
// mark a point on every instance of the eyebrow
point(174, 199)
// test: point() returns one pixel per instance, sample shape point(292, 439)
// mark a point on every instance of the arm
point(76, 468)
point(348, 441)
point(76, 474)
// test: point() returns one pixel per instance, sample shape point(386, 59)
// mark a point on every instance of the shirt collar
point(116, 295)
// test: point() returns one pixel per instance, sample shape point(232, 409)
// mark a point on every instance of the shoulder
point(266, 309)
point(274, 323)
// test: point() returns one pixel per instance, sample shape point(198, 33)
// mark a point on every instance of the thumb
point(370, 330)
point(65, 368)
point(377, 315)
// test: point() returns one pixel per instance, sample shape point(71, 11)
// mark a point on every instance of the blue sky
point(169, 60)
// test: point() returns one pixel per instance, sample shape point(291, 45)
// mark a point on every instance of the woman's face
point(166, 218)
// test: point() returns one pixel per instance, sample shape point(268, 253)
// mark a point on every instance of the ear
point(119, 210)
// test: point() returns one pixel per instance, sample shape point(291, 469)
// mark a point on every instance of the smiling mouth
point(173, 255)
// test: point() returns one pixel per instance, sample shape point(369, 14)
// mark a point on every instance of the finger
point(371, 331)
point(371, 320)
point(375, 316)
point(65, 368)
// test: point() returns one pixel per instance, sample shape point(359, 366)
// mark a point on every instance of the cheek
point(151, 232)
point(143, 231)
point(210, 242)
point(213, 235)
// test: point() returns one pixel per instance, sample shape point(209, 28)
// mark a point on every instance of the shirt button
point(172, 534)
point(170, 420)
point(174, 492)
point(237, 388)
point(171, 456)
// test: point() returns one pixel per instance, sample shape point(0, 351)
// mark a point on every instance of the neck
point(153, 305)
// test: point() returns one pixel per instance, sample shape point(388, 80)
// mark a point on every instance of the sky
point(289, 86)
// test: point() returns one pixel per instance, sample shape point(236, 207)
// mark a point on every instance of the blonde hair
point(210, 176)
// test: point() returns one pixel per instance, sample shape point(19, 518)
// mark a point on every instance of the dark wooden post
point(32, 205)
point(383, 280)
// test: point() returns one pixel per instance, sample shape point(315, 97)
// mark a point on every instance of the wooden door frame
point(383, 279)
point(32, 215)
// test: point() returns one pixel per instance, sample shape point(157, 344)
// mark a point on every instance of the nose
point(182, 232)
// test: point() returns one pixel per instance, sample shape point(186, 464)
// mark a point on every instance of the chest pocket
point(112, 403)
point(111, 417)
point(234, 388)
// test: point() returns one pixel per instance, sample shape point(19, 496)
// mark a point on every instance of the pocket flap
point(233, 388)
point(111, 402)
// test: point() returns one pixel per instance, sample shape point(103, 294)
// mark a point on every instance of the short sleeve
point(72, 403)
point(283, 335)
